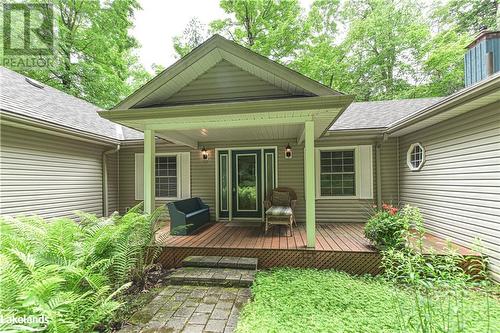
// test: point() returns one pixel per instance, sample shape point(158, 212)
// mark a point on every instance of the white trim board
point(183, 160)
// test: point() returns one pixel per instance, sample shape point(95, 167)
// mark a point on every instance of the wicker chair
point(279, 212)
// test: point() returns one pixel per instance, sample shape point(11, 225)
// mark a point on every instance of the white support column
point(310, 190)
point(149, 171)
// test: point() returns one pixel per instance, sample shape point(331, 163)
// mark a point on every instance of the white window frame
point(177, 175)
point(358, 177)
point(183, 178)
point(409, 153)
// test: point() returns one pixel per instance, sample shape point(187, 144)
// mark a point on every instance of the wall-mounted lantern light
point(288, 151)
point(204, 153)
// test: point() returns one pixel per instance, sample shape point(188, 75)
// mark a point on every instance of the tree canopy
point(374, 49)
point(93, 53)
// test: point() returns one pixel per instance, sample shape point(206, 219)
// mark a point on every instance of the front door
point(244, 178)
point(246, 169)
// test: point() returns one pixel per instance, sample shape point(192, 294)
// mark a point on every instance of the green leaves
point(274, 29)
point(193, 35)
point(72, 273)
point(390, 227)
point(469, 16)
point(306, 300)
point(374, 49)
point(438, 283)
point(94, 54)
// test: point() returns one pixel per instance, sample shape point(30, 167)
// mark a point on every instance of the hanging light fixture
point(288, 151)
point(204, 153)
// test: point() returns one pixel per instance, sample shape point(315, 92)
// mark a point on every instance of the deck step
point(220, 262)
point(209, 276)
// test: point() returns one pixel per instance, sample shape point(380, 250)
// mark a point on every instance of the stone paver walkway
point(213, 276)
point(190, 309)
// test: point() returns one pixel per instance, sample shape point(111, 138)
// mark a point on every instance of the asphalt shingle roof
point(379, 114)
point(17, 95)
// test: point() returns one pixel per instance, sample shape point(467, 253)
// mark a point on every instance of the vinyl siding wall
point(458, 188)
point(50, 176)
point(290, 174)
point(357, 210)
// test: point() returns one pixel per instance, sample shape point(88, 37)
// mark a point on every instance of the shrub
point(440, 289)
point(439, 286)
point(412, 268)
point(390, 227)
point(71, 273)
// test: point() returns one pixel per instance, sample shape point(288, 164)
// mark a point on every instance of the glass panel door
point(246, 182)
point(247, 179)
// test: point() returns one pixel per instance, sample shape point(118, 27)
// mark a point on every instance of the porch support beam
point(189, 124)
point(149, 171)
point(179, 139)
point(310, 189)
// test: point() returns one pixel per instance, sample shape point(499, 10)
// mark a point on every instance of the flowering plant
point(390, 209)
point(389, 226)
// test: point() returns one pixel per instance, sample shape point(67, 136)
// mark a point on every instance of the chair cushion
point(279, 211)
point(281, 198)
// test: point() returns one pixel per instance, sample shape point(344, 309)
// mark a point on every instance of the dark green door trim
point(270, 166)
point(224, 191)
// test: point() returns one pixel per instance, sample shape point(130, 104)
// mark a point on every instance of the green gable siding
point(225, 82)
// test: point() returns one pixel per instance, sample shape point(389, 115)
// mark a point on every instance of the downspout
point(378, 174)
point(397, 144)
point(105, 179)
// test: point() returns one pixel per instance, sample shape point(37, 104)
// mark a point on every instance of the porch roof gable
point(206, 56)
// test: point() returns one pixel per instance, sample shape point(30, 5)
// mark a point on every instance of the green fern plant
point(72, 272)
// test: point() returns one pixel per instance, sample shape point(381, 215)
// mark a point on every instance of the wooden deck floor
point(340, 246)
point(337, 237)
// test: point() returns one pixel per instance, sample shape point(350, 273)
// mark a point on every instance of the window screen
point(337, 173)
point(166, 176)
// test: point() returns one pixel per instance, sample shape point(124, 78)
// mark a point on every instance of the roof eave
point(229, 108)
point(12, 118)
point(375, 130)
point(483, 88)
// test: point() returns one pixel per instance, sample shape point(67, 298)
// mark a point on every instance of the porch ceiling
point(247, 120)
point(251, 133)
